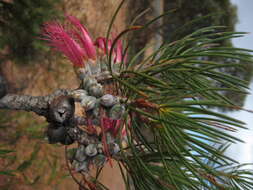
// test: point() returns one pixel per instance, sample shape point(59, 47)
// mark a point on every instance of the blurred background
point(243, 152)
point(29, 67)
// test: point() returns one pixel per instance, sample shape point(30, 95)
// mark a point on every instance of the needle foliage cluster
point(175, 140)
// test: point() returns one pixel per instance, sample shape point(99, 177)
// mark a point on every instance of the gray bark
point(37, 104)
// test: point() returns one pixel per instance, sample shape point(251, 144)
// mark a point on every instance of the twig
point(37, 104)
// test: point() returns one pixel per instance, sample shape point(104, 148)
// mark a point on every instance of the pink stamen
point(84, 37)
point(101, 44)
point(62, 41)
point(118, 52)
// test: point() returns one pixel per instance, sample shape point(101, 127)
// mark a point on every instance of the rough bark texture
point(37, 104)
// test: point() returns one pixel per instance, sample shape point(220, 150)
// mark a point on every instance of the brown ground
point(24, 131)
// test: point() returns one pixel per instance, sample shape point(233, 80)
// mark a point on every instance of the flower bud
point(89, 102)
point(91, 150)
point(79, 94)
point(61, 109)
point(96, 90)
point(100, 148)
point(80, 153)
point(113, 148)
point(108, 100)
point(81, 166)
point(117, 111)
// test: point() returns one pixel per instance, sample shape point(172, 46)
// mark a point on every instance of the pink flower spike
point(58, 38)
point(83, 36)
point(119, 52)
point(101, 44)
point(108, 124)
point(112, 126)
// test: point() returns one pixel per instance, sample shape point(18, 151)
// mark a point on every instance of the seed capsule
point(81, 72)
point(67, 141)
point(88, 81)
point(81, 166)
point(117, 111)
point(62, 109)
point(91, 150)
point(96, 110)
point(80, 154)
point(56, 134)
point(114, 148)
point(89, 102)
point(79, 94)
point(96, 90)
point(100, 148)
point(108, 100)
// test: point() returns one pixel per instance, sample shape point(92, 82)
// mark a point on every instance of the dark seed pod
point(62, 109)
point(56, 134)
point(3, 87)
point(67, 141)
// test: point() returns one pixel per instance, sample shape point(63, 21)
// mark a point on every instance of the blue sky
point(244, 152)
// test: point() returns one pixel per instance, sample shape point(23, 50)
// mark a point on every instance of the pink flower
point(101, 44)
point(82, 34)
point(76, 44)
point(117, 51)
point(61, 41)
point(74, 41)
point(111, 125)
